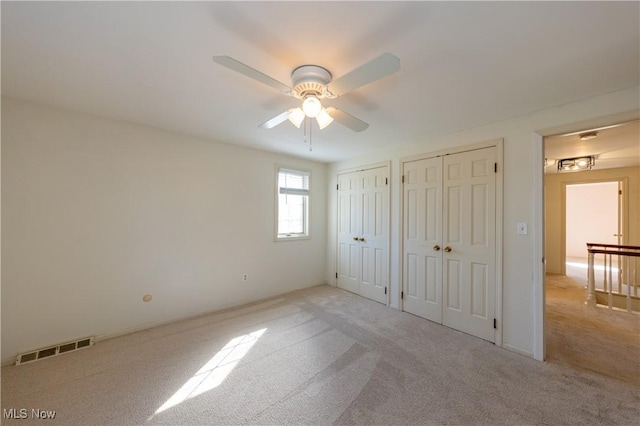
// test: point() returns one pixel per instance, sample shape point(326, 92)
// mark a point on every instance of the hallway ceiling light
point(576, 164)
point(588, 135)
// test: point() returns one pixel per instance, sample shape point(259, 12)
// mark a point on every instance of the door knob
point(447, 249)
point(617, 235)
point(361, 238)
point(436, 247)
point(355, 238)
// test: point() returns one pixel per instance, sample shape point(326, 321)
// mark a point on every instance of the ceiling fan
point(311, 83)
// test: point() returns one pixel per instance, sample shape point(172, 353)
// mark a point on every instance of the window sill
point(292, 238)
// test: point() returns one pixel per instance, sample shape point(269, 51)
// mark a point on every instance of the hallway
point(594, 339)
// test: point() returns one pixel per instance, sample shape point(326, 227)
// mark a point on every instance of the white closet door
point(469, 254)
point(349, 230)
point(374, 240)
point(422, 228)
point(363, 232)
point(449, 240)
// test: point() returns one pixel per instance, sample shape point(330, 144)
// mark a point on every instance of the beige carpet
point(582, 337)
point(316, 356)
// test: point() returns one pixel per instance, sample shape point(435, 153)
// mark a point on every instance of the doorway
point(595, 206)
point(592, 215)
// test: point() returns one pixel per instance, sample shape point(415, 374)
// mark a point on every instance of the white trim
point(388, 292)
point(9, 361)
point(267, 298)
point(455, 150)
point(400, 287)
point(499, 145)
point(517, 350)
point(608, 120)
point(363, 168)
point(539, 346)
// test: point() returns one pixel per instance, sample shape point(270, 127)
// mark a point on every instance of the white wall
point(592, 216)
point(97, 213)
point(519, 134)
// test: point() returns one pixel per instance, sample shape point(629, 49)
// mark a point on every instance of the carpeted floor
point(586, 338)
point(315, 356)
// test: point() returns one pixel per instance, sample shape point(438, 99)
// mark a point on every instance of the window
point(293, 204)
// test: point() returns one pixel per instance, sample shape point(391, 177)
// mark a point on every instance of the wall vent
point(50, 351)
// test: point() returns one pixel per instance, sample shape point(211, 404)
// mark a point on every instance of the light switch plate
point(522, 228)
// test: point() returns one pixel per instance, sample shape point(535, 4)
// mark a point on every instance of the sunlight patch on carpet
point(595, 267)
point(213, 373)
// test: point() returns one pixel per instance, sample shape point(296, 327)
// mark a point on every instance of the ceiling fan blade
point(373, 70)
point(273, 122)
point(237, 66)
point(347, 120)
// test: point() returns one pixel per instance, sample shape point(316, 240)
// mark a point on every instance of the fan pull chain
point(304, 129)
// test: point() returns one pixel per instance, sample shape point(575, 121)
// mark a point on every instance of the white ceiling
point(462, 64)
point(613, 147)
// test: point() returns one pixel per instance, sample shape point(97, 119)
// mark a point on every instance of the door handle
point(355, 238)
point(617, 235)
point(436, 247)
point(447, 249)
point(361, 238)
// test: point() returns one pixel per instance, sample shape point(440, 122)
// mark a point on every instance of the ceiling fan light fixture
point(323, 118)
point(296, 116)
point(311, 106)
point(310, 84)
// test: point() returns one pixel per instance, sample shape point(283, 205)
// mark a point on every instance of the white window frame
point(306, 234)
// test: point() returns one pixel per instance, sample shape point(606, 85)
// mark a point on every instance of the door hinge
point(620, 192)
point(402, 178)
point(495, 323)
point(337, 187)
point(336, 275)
point(386, 181)
point(402, 295)
point(385, 290)
point(495, 167)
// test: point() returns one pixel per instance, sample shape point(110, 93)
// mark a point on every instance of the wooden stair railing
point(618, 291)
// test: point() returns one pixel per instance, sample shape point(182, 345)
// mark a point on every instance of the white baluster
point(591, 292)
point(610, 298)
point(628, 286)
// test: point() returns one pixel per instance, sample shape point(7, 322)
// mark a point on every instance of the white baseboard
point(517, 350)
point(8, 361)
point(100, 338)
